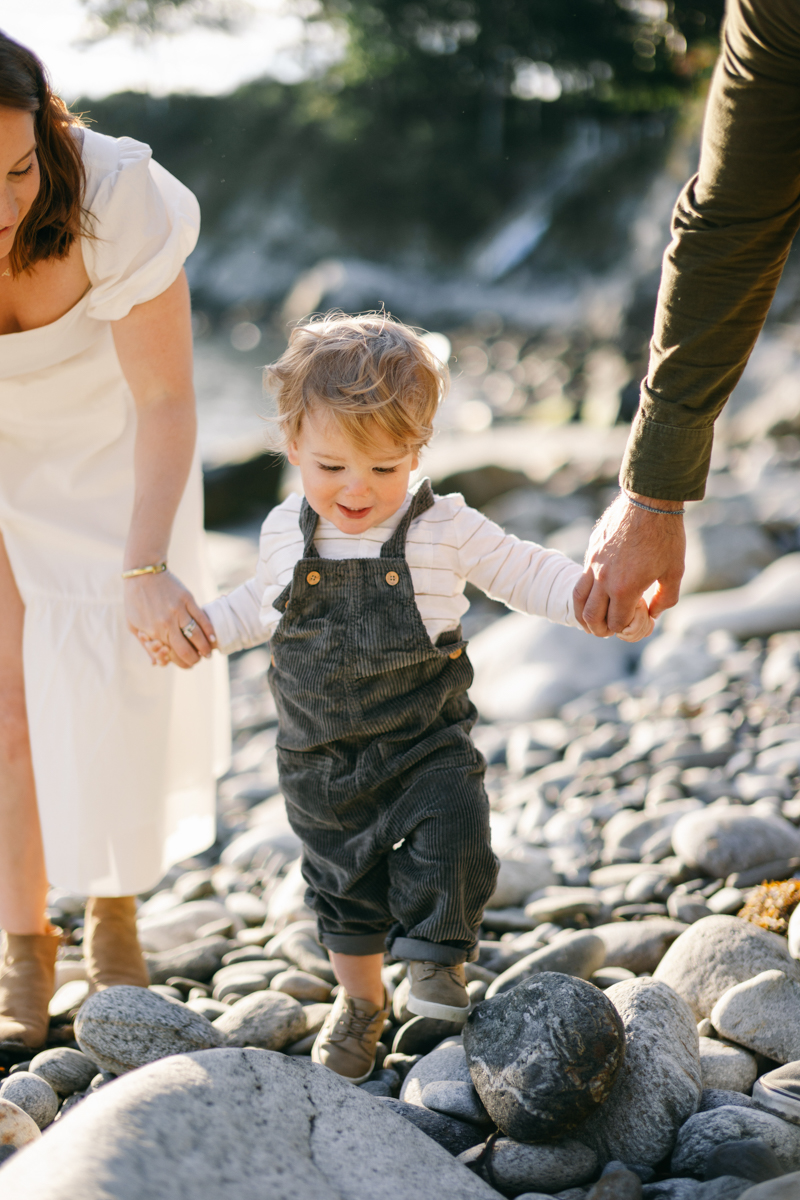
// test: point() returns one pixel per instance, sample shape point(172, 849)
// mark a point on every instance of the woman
point(97, 479)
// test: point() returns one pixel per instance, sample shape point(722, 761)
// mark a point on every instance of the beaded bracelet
point(153, 569)
point(662, 512)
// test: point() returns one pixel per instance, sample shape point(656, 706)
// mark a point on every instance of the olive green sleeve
point(731, 231)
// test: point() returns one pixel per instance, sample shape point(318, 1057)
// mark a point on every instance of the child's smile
point(354, 488)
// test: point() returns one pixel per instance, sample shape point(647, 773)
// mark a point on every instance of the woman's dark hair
point(56, 216)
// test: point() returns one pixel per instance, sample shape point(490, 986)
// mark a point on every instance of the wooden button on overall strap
point(313, 577)
point(392, 578)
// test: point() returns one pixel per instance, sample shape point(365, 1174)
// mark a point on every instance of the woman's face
point(19, 173)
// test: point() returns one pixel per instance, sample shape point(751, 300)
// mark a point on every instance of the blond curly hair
point(369, 372)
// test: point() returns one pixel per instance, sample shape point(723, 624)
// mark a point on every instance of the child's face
point(355, 489)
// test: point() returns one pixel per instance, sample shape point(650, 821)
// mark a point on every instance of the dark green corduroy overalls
point(382, 781)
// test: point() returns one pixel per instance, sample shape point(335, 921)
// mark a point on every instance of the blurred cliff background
point(501, 172)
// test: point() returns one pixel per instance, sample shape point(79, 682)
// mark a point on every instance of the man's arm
point(732, 229)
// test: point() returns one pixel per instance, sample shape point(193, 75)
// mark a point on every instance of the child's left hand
point(641, 626)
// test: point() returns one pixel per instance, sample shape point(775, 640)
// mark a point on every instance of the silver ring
point(188, 630)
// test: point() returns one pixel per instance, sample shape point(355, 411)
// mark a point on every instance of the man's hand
point(629, 551)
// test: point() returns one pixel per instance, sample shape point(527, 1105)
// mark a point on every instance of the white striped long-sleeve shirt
point(445, 546)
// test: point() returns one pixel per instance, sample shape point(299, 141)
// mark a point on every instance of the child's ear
point(292, 454)
point(415, 460)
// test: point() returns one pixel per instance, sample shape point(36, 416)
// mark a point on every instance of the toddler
point(360, 591)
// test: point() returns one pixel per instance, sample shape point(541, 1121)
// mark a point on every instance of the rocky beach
point(635, 1022)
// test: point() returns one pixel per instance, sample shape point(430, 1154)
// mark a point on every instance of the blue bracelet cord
point(662, 512)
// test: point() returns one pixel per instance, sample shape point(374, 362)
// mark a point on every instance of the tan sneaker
point(438, 991)
point(347, 1042)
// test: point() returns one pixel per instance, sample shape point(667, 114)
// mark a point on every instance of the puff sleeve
point(145, 224)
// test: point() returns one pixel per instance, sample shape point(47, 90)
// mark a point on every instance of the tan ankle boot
point(110, 944)
point(27, 981)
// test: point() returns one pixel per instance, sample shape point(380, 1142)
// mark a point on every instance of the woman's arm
point(154, 346)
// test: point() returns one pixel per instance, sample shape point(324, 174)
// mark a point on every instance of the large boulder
point(125, 1027)
point(238, 1124)
point(718, 952)
point(544, 1055)
point(659, 1085)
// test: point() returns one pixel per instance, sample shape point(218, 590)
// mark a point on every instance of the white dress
point(124, 754)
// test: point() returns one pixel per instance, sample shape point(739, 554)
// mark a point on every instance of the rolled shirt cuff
point(664, 461)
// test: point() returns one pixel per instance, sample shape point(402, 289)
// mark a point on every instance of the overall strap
point(421, 501)
point(308, 527)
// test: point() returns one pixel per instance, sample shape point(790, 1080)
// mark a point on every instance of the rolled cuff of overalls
point(354, 943)
point(418, 950)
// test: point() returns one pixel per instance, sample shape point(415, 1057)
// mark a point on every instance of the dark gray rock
point(33, 1095)
point(516, 1168)
point(198, 960)
point(124, 1027)
point(376, 1087)
point(269, 1020)
point(639, 946)
point(544, 1055)
point(717, 840)
point(580, 954)
point(238, 1124)
point(717, 953)
point(455, 1136)
point(420, 1035)
point(703, 1132)
point(65, 1069)
point(717, 1098)
point(402, 1063)
point(749, 1159)
point(659, 1085)
point(459, 1100)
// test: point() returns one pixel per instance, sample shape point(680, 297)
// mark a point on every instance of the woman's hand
point(158, 609)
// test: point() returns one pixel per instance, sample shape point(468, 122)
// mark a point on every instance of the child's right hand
point(641, 626)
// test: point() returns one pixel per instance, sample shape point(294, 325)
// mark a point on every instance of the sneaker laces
point(353, 1023)
point(429, 969)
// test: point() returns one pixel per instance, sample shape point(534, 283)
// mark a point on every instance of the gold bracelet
point(153, 569)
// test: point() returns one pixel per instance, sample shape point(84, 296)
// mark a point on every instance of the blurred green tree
point(440, 111)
